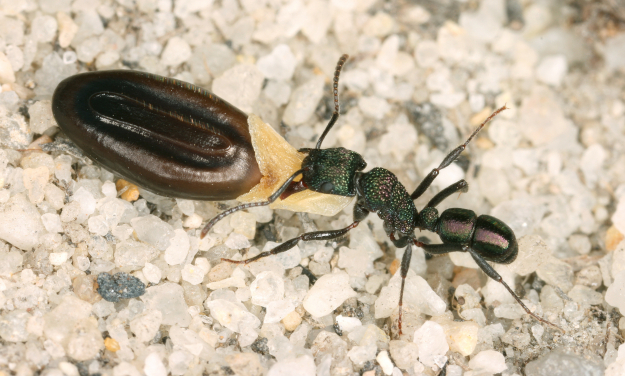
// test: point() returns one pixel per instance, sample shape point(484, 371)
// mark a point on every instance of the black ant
point(338, 171)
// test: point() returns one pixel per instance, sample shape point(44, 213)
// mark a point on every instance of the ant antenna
point(335, 91)
point(479, 128)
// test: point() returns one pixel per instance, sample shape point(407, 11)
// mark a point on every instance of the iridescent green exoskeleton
point(339, 171)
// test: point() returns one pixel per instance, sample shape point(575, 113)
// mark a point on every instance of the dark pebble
point(119, 286)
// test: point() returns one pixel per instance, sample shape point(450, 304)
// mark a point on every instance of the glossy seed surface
point(171, 137)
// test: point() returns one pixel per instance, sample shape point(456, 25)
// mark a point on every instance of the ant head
point(332, 171)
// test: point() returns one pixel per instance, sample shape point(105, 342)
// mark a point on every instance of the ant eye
point(326, 187)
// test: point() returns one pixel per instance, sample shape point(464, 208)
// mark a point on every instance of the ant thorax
point(384, 194)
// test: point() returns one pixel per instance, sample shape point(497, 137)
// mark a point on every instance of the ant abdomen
point(494, 240)
point(488, 236)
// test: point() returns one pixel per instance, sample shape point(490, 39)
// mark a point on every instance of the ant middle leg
point(317, 235)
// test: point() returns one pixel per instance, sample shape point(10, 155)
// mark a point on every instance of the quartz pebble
point(329, 292)
point(240, 85)
point(176, 52)
point(278, 310)
point(236, 280)
point(615, 296)
point(430, 338)
point(303, 101)
point(586, 295)
point(590, 276)
point(304, 365)
point(551, 69)
point(41, 116)
point(279, 64)
point(19, 221)
point(362, 354)
point(233, 316)
point(556, 273)
point(70, 325)
point(13, 326)
point(417, 293)
point(562, 363)
point(267, 287)
point(178, 248)
point(347, 324)
point(245, 364)
point(146, 325)
point(533, 252)
point(194, 274)
point(488, 362)
point(462, 337)
point(168, 298)
point(153, 230)
point(154, 366)
point(385, 362)
point(404, 353)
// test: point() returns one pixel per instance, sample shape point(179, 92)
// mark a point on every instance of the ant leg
point(425, 183)
point(311, 277)
point(459, 186)
point(492, 273)
point(271, 199)
point(438, 249)
point(405, 265)
point(317, 235)
point(401, 242)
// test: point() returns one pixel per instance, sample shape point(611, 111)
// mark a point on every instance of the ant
point(338, 171)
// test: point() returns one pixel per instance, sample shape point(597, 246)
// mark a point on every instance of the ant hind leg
point(492, 273)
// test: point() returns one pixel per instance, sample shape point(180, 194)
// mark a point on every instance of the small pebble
point(590, 276)
point(432, 343)
point(385, 362)
point(561, 362)
point(111, 344)
point(488, 362)
point(292, 321)
point(612, 238)
point(329, 292)
point(85, 288)
point(176, 52)
point(304, 100)
point(119, 286)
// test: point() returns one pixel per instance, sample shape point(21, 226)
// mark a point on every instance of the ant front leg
point(317, 235)
point(405, 265)
point(270, 200)
point(460, 186)
point(452, 156)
